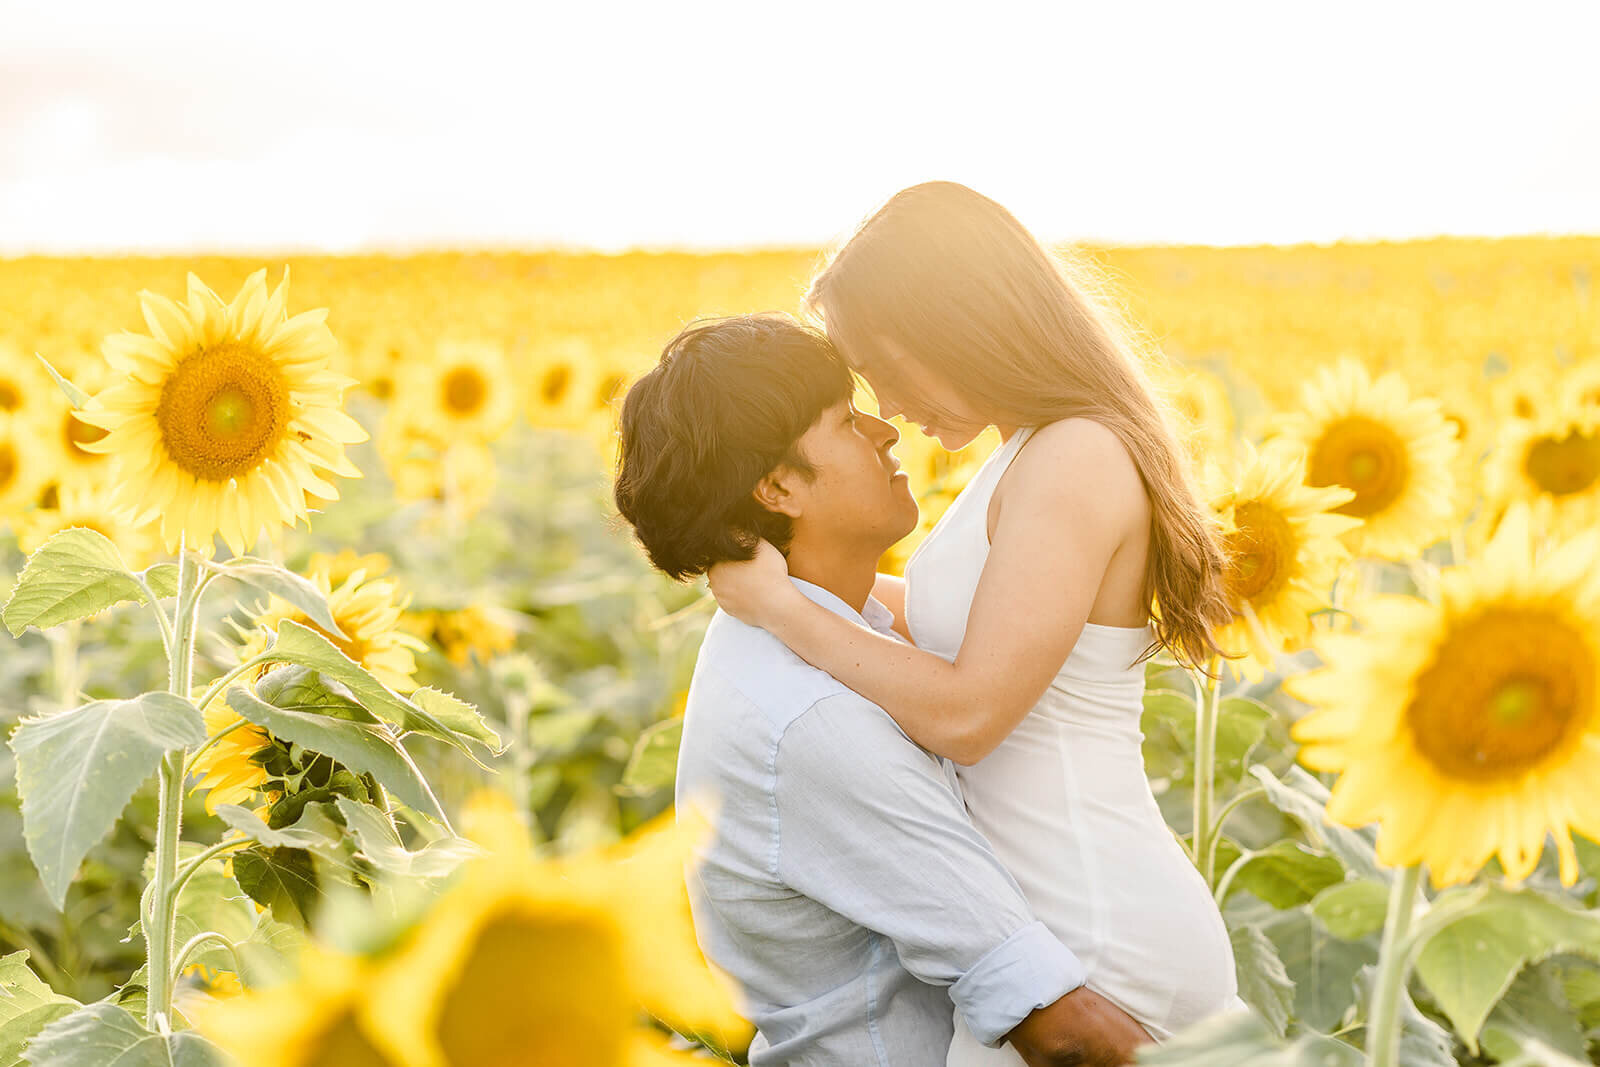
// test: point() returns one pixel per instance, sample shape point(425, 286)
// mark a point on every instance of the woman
point(1077, 550)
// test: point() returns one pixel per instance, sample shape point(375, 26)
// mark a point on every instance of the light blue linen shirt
point(843, 886)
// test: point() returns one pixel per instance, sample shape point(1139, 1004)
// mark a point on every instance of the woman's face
point(926, 398)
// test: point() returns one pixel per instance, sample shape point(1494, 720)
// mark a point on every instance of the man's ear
point(775, 492)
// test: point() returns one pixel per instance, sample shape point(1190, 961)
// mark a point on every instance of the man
point(843, 886)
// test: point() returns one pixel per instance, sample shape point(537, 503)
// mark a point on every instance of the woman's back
point(1065, 801)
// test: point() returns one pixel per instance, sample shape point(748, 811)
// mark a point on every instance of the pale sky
point(152, 126)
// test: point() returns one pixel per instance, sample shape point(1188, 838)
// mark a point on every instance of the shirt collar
point(874, 616)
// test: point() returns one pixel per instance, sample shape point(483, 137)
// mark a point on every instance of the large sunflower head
point(231, 770)
point(1468, 727)
point(1391, 450)
point(1553, 463)
point(369, 613)
point(1283, 545)
point(224, 416)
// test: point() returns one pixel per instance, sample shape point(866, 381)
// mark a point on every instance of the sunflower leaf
point(1286, 874)
point(378, 841)
point(1304, 799)
point(75, 574)
point(1263, 982)
point(286, 585)
point(209, 900)
point(364, 748)
point(253, 826)
point(77, 770)
point(301, 644)
point(654, 762)
point(458, 716)
point(280, 879)
point(1469, 962)
point(27, 1005)
point(103, 1033)
point(1353, 910)
point(75, 396)
point(1243, 1038)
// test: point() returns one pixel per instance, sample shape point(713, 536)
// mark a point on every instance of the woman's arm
point(1073, 496)
point(890, 591)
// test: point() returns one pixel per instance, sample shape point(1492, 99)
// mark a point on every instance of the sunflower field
point(342, 713)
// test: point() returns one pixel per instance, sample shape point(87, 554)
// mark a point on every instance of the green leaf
point(364, 748)
point(1286, 874)
point(285, 584)
point(1241, 1039)
point(554, 732)
point(27, 1005)
point(301, 644)
point(1423, 1042)
point(1305, 800)
point(253, 826)
point(162, 578)
point(1468, 964)
point(376, 837)
point(1263, 983)
point(458, 716)
point(1534, 1007)
point(103, 1034)
point(270, 954)
point(654, 762)
point(282, 879)
point(77, 769)
point(1321, 966)
point(1352, 910)
point(73, 575)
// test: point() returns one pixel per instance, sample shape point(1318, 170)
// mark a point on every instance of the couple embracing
point(932, 839)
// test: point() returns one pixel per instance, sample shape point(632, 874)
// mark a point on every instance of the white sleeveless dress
point(1065, 802)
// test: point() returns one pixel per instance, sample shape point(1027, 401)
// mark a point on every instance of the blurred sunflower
point(1553, 462)
point(480, 630)
point(556, 383)
point(521, 961)
point(1392, 451)
point(1283, 544)
point(460, 474)
point(368, 612)
point(229, 769)
point(86, 506)
point(24, 467)
point(465, 392)
point(26, 392)
point(1482, 705)
point(72, 439)
point(224, 416)
point(1206, 423)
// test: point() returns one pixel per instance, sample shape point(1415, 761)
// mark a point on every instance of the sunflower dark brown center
point(1508, 688)
point(1362, 455)
point(222, 411)
point(10, 396)
point(610, 388)
point(342, 1043)
point(546, 982)
point(464, 391)
point(1563, 466)
point(9, 466)
point(1261, 551)
point(553, 385)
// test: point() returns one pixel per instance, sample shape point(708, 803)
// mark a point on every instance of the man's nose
point(884, 432)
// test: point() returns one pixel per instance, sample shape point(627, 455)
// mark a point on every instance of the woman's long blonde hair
point(954, 279)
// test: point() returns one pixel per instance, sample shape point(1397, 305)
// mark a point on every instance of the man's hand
point(1082, 1029)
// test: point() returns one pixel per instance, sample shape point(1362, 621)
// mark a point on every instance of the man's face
point(859, 496)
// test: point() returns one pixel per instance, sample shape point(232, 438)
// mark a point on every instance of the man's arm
point(868, 825)
point(1082, 1029)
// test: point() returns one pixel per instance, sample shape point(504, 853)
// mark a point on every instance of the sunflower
point(1482, 705)
point(229, 770)
point(557, 384)
point(465, 392)
point(1392, 451)
point(1284, 550)
point(72, 439)
point(24, 469)
point(26, 392)
point(1203, 413)
point(459, 474)
point(520, 961)
point(477, 630)
point(224, 416)
point(86, 506)
point(1552, 462)
point(368, 612)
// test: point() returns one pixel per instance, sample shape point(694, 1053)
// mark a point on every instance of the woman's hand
point(749, 590)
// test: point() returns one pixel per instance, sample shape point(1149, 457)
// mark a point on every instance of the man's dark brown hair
point(726, 405)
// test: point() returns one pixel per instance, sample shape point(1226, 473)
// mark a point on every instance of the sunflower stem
point(1207, 696)
point(193, 865)
point(64, 661)
point(196, 941)
point(1222, 817)
point(1394, 957)
point(160, 922)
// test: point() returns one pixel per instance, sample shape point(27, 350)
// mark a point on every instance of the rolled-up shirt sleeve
point(867, 825)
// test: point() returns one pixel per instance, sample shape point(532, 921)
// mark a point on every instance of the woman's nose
point(886, 433)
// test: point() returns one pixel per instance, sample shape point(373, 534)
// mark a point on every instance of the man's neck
point(847, 575)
